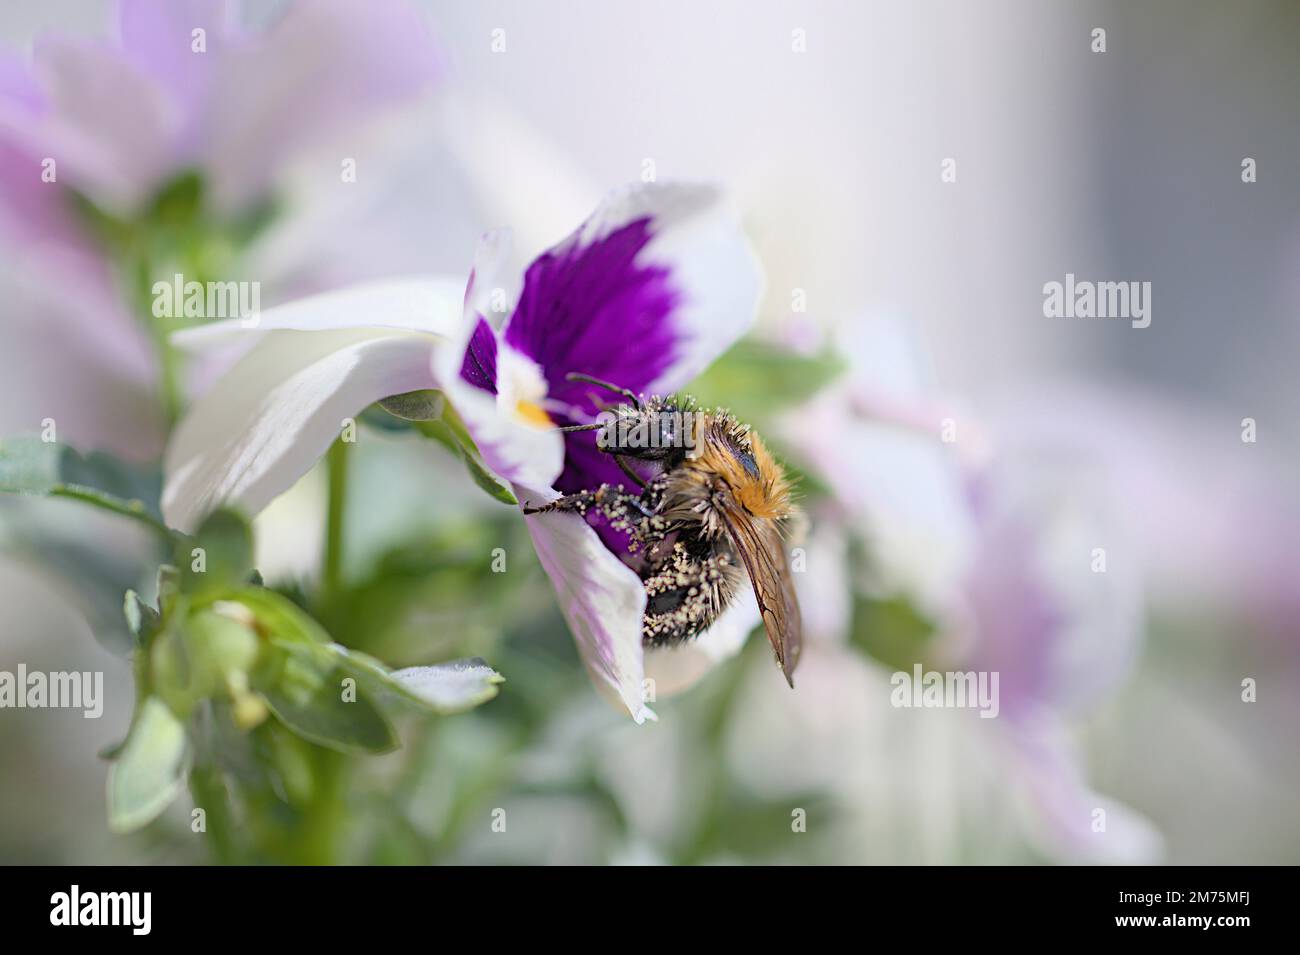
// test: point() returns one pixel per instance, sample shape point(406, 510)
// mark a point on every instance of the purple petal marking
point(480, 365)
point(594, 309)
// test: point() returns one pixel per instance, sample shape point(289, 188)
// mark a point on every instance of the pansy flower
point(656, 283)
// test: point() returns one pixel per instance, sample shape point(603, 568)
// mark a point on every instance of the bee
point(708, 507)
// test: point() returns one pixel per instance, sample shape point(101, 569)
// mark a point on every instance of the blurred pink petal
point(324, 67)
point(1068, 820)
point(879, 446)
point(111, 127)
point(158, 37)
point(71, 354)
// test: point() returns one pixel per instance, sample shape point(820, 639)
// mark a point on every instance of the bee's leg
point(577, 501)
point(613, 502)
point(627, 469)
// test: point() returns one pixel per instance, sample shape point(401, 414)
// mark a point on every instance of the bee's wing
point(762, 549)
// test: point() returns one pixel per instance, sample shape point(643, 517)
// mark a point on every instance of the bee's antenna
point(581, 427)
point(625, 392)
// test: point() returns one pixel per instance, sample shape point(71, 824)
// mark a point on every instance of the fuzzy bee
point(707, 506)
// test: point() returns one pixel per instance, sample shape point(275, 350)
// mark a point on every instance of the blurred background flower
point(962, 458)
point(163, 150)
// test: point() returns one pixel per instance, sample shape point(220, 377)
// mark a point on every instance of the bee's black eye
point(747, 462)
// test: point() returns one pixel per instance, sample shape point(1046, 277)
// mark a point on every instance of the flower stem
point(168, 381)
point(332, 558)
point(325, 816)
point(209, 792)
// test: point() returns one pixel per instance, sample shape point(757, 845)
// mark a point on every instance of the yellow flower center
point(521, 389)
point(533, 414)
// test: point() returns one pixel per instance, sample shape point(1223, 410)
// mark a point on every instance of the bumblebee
point(707, 507)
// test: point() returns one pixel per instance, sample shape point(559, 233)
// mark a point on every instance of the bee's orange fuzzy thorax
point(765, 494)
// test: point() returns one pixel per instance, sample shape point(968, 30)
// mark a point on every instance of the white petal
point(517, 173)
point(521, 453)
point(419, 305)
point(491, 276)
point(601, 598)
point(267, 422)
point(288, 534)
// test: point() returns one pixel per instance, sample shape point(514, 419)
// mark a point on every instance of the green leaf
point(169, 587)
point(314, 701)
point(31, 466)
point(325, 717)
point(450, 437)
point(892, 631)
point(302, 680)
point(757, 380)
point(376, 417)
point(140, 617)
point(427, 405)
point(150, 769)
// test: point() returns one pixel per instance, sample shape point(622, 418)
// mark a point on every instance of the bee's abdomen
point(685, 592)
